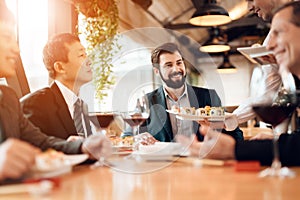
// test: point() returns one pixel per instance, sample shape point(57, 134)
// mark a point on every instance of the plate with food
point(53, 163)
point(122, 146)
point(216, 114)
point(172, 112)
point(122, 150)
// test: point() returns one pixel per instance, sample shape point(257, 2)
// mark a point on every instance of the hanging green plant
point(99, 28)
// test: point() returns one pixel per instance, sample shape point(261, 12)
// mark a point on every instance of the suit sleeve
point(214, 98)
point(31, 134)
point(262, 150)
point(34, 110)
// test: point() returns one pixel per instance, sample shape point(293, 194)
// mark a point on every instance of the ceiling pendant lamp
point(217, 44)
point(210, 14)
point(226, 67)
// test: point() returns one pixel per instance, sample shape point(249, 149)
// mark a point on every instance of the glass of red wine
point(103, 120)
point(278, 107)
point(137, 113)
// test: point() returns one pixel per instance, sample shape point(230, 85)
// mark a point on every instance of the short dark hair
point(164, 48)
point(5, 14)
point(295, 15)
point(56, 50)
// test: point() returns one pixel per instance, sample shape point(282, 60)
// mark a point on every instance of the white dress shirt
point(70, 99)
point(184, 127)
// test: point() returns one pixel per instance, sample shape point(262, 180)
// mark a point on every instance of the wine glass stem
point(135, 130)
point(276, 164)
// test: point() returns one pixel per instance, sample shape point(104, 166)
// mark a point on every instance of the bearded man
point(168, 64)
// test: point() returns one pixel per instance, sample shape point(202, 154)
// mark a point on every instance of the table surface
point(181, 178)
point(253, 131)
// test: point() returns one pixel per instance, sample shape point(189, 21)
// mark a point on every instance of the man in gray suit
point(18, 135)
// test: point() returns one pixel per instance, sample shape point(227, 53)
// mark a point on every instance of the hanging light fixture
point(209, 14)
point(217, 44)
point(226, 67)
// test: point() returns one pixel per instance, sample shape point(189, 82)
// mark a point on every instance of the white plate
point(199, 118)
point(65, 167)
point(172, 112)
point(159, 151)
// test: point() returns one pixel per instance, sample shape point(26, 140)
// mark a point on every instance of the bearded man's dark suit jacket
point(48, 110)
point(159, 124)
point(15, 125)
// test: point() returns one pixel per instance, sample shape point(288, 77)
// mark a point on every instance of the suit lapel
point(62, 109)
point(161, 99)
point(193, 98)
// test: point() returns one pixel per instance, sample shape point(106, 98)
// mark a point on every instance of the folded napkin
point(161, 148)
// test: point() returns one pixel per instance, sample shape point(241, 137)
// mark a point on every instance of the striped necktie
point(81, 118)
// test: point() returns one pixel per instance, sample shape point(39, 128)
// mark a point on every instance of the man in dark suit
point(285, 28)
point(52, 108)
point(169, 65)
point(18, 135)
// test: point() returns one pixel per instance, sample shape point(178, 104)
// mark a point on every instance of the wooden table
point(250, 132)
point(180, 179)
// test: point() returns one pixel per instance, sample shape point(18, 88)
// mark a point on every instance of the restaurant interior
point(133, 28)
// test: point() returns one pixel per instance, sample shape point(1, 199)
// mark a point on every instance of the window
point(32, 32)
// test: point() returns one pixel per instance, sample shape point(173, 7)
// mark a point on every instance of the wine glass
point(103, 120)
point(277, 107)
point(136, 113)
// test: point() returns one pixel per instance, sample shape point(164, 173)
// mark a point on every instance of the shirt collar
point(183, 94)
point(69, 96)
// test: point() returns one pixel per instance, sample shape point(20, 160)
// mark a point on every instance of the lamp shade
point(216, 45)
point(226, 67)
point(210, 15)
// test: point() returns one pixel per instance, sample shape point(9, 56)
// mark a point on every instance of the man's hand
point(16, 158)
point(191, 142)
point(74, 138)
point(215, 145)
point(230, 123)
point(97, 146)
point(145, 138)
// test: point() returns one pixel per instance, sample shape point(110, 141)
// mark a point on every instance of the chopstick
point(197, 161)
point(30, 186)
point(18, 188)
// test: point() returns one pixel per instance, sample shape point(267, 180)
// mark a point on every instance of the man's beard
point(173, 84)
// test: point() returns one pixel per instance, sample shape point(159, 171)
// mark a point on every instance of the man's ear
point(58, 67)
point(155, 70)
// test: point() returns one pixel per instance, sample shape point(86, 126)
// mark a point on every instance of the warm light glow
point(12, 5)
point(32, 20)
point(210, 20)
point(227, 71)
point(214, 48)
point(239, 10)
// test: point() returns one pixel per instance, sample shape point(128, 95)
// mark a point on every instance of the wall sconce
point(226, 67)
point(210, 14)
